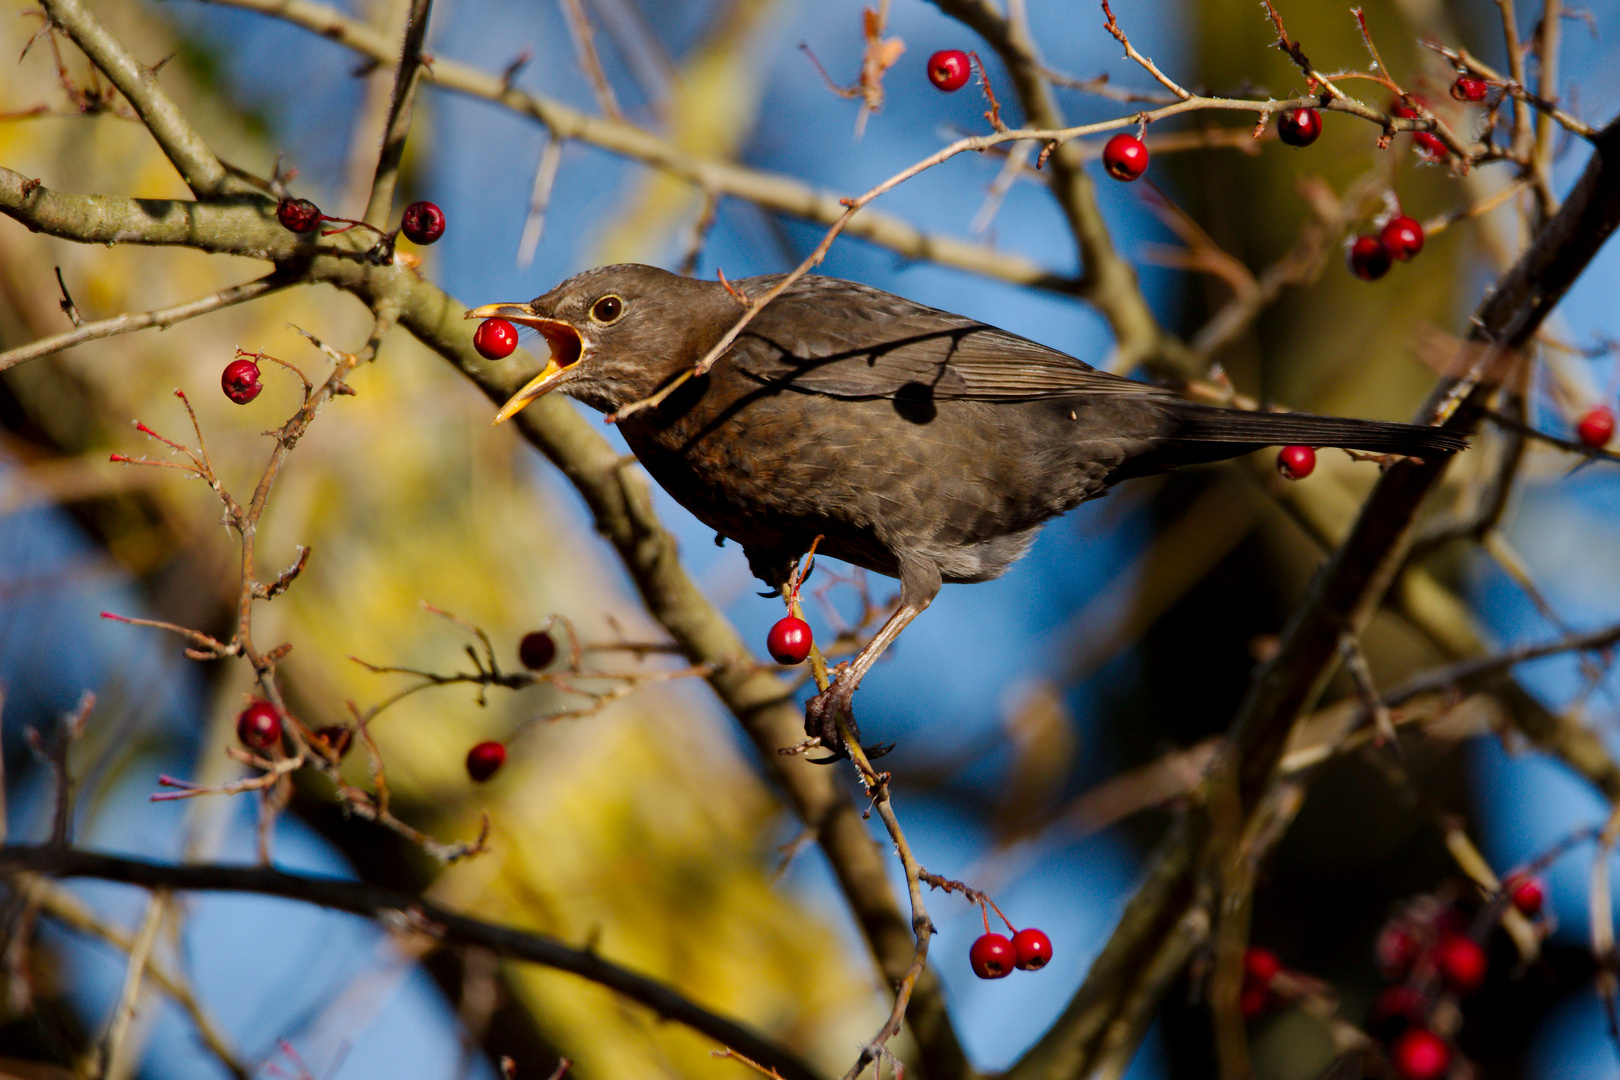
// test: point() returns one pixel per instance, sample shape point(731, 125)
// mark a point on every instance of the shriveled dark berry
point(240, 380)
point(422, 223)
point(299, 215)
point(537, 649)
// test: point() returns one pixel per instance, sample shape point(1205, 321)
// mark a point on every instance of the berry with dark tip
point(299, 215)
point(992, 956)
point(495, 339)
point(1125, 158)
point(789, 640)
point(949, 70)
point(240, 380)
point(1299, 127)
point(1596, 427)
point(1402, 237)
point(484, 760)
point(1296, 462)
point(1368, 258)
point(1468, 88)
point(258, 725)
point(537, 650)
point(423, 223)
point(1420, 1054)
point(1031, 949)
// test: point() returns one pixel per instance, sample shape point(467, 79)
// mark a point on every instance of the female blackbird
point(917, 443)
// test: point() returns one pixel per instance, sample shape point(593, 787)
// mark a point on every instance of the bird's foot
point(821, 720)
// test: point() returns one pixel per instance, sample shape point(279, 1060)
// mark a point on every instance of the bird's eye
point(607, 309)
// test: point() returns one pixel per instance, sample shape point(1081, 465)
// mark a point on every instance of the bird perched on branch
point(919, 444)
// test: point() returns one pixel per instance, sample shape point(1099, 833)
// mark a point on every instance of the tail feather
point(1202, 423)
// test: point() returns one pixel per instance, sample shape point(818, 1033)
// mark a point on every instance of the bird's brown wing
point(849, 340)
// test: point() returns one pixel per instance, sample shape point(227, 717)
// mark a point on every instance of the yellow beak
point(567, 349)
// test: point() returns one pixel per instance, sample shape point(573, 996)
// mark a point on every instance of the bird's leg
point(919, 584)
point(821, 712)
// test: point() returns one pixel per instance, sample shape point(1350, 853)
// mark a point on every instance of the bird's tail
point(1201, 433)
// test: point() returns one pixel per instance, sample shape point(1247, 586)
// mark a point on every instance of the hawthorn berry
point(949, 70)
point(1125, 158)
point(1296, 462)
point(1468, 88)
point(1596, 427)
point(423, 223)
point(1425, 140)
point(495, 339)
point(992, 956)
point(1369, 258)
point(1397, 950)
point(299, 215)
point(1396, 1009)
point(1402, 237)
point(1461, 961)
point(1253, 1001)
point(240, 380)
point(258, 725)
point(1299, 127)
point(1031, 949)
point(484, 760)
point(789, 640)
point(1528, 895)
point(1420, 1054)
point(537, 649)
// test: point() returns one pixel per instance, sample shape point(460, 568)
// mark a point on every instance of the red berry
point(1253, 1001)
point(1461, 961)
point(789, 640)
point(1429, 143)
point(1397, 951)
point(1420, 1054)
point(1395, 1010)
point(992, 956)
point(537, 650)
point(240, 380)
point(1468, 88)
point(1402, 109)
point(1596, 428)
point(1299, 127)
point(949, 69)
point(1369, 258)
point(484, 759)
point(1032, 948)
point(1260, 966)
point(1528, 895)
point(1402, 237)
point(299, 215)
point(339, 737)
point(259, 725)
point(423, 223)
point(495, 339)
point(1125, 157)
point(1296, 462)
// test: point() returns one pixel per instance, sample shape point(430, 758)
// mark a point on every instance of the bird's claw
point(821, 721)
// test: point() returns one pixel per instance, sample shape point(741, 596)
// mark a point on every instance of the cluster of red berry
point(422, 222)
point(258, 727)
point(1426, 949)
point(1259, 993)
point(994, 956)
point(1371, 255)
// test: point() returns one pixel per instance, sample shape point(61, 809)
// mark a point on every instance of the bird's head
point(616, 333)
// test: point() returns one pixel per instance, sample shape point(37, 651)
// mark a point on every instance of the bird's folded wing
point(910, 352)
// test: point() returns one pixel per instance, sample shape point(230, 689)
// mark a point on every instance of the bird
point(920, 444)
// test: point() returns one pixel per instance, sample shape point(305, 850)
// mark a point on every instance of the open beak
point(567, 348)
